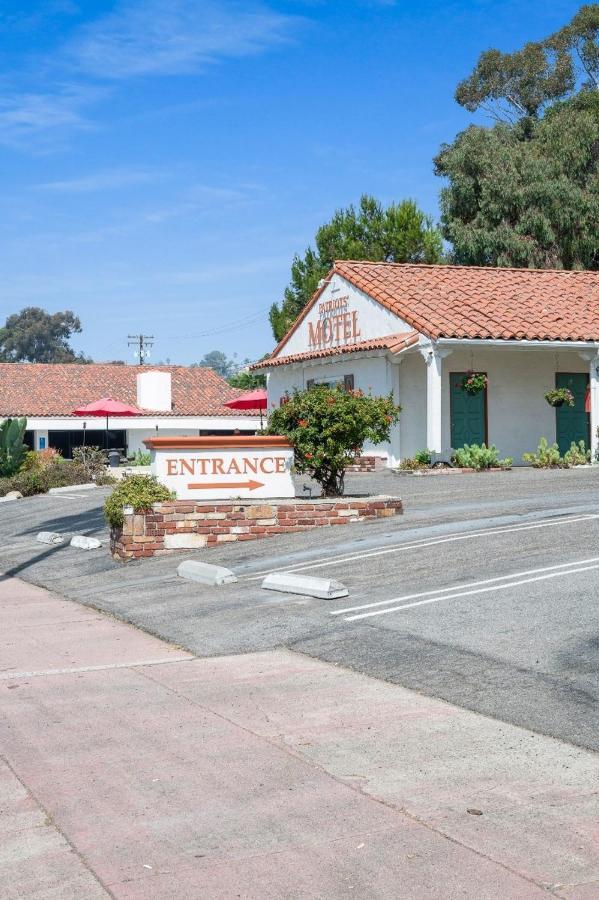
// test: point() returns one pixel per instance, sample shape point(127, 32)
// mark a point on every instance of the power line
point(231, 326)
point(142, 342)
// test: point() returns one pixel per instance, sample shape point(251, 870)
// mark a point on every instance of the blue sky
point(163, 160)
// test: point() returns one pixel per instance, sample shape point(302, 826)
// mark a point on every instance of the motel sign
point(335, 324)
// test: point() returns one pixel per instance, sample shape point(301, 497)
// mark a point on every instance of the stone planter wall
point(191, 525)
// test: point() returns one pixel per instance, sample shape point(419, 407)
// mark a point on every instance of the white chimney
point(154, 391)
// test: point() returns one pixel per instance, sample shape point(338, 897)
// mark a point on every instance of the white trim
point(135, 423)
point(519, 344)
point(425, 344)
point(334, 357)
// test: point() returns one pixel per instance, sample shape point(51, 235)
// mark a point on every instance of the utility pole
point(142, 342)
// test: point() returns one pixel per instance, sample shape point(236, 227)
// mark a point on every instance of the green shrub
point(93, 460)
point(424, 457)
point(5, 486)
point(473, 456)
point(105, 479)
point(138, 491)
point(421, 460)
point(328, 428)
point(64, 472)
point(546, 457)
point(30, 482)
point(141, 458)
point(36, 478)
point(410, 464)
point(577, 455)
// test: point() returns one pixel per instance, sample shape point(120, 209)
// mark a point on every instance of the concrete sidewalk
point(131, 769)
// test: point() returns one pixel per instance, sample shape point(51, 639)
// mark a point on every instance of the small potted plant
point(474, 382)
point(559, 397)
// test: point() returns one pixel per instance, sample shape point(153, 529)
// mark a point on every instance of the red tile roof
point(473, 302)
point(476, 302)
point(393, 342)
point(39, 389)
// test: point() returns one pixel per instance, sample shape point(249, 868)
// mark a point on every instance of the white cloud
point(171, 37)
point(141, 37)
point(26, 116)
point(101, 181)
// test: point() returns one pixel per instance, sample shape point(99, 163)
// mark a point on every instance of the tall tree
point(525, 192)
point(34, 335)
point(398, 233)
point(524, 83)
point(218, 361)
point(247, 381)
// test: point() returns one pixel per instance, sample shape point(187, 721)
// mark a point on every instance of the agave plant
point(12, 448)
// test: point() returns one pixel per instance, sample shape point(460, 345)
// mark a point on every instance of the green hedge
point(138, 491)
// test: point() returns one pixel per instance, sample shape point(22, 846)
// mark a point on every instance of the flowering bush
point(328, 428)
point(559, 396)
point(474, 382)
point(40, 459)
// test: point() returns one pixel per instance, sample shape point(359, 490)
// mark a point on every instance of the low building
point(174, 400)
point(415, 330)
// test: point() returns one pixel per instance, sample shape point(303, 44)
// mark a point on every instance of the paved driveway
point(483, 593)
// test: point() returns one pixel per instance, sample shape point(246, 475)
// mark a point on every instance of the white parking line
point(423, 542)
point(514, 580)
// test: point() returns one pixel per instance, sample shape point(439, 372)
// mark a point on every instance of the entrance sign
point(223, 468)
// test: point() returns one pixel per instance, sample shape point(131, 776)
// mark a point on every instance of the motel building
point(415, 330)
point(173, 400)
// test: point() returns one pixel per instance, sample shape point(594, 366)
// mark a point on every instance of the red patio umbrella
point(250, 400)
point(107, 407)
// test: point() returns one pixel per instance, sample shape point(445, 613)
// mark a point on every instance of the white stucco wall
point(518, 415)
point(140, 427)
point(373, 319)
point(412, 399)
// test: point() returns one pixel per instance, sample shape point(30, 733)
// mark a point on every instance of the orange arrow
point(210, 485)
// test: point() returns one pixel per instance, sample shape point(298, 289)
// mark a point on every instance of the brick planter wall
point(191, 525)
point(366, 464)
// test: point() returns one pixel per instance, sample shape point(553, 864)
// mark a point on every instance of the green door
point(572, 423)
point(468, 414)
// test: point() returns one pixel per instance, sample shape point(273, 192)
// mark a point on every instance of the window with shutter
point(348, 382)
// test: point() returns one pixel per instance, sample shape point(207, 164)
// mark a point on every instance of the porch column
point(393, 388)
point(434, 393)
point(594, 397)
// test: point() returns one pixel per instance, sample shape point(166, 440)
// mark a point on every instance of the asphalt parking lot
point(483, 593)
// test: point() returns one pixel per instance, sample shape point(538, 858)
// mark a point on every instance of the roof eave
point(519, 343)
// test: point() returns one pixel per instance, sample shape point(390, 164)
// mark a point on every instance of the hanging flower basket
point(474, 382)
point(559, 397)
